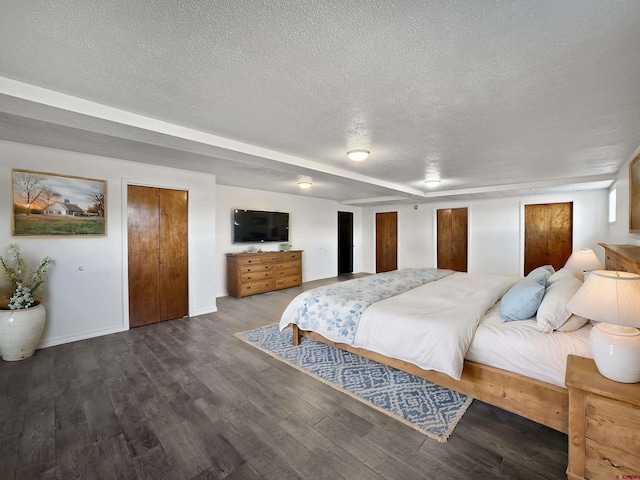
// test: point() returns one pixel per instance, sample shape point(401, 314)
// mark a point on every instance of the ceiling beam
point(68, 103)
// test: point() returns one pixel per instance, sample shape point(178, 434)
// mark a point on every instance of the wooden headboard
point(622, 258)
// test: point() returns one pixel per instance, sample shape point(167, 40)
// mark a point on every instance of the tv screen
point(252, 226)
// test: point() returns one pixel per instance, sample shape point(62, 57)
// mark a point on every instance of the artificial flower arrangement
point(24, 287)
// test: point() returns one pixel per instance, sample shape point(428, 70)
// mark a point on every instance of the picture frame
point(634, 195)
point(53, 204)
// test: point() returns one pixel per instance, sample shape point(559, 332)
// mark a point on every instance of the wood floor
point(184, 399)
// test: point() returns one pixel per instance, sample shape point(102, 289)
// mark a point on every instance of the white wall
point(94, 301)
point(619, 231)
point(313, 227)
point(495, 230)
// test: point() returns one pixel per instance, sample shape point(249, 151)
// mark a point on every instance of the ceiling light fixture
point(432, 183)
point(358, 154)
point(305, 182)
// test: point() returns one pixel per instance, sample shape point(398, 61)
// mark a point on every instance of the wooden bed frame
point(533, 399)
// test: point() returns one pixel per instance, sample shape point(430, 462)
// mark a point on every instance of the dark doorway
point(345, 242)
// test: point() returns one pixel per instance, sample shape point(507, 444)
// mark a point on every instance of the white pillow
point(563, 273)
point(574, 323)
point(552, 313)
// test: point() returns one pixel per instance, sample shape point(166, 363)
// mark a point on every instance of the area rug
point(429, 408)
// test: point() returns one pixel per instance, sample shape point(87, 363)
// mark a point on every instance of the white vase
point(20, 332)
point(616, 351)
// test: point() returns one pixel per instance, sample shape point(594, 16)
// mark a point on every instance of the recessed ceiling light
point(305, 182)
point(432, 183)
point(358, 154)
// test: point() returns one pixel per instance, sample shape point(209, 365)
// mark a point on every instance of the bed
point(446, 327)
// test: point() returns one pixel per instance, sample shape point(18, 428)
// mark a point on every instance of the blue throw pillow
point(541, 274)
point(522, 300)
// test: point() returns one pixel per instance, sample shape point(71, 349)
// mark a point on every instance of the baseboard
point(50, 342)
point(204, 311)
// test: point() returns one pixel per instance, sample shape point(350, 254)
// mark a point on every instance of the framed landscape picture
point(53, 204)
point(634, 195)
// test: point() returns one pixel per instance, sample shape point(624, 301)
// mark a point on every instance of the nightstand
point(604, 424)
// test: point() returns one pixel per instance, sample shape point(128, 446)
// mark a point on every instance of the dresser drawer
point(271, 258)
point(624, 266)
point(256, 287)
point(291, 256)
point(255, 276)
point(613, 423)
point(287, 272)
point(602, 462)
point(255, 268)
point(249, 260)
point(286, 282)
point(295, 265)
point(611, 261)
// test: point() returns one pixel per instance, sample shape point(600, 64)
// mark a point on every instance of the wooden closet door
point(143, 224)
point(386, 241)
point(452, 231)
point(158, 254)
point(560, 237)
point(459, 218)
point(548, 235)
point(535, 236)
point(174, 254)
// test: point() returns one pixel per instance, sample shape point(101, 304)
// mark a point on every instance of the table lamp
point(583, 260)
point(612, 298)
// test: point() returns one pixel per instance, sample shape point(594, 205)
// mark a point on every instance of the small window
point(612, 205)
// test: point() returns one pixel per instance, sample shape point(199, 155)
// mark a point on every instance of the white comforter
point(432, 325)
point(520, 347)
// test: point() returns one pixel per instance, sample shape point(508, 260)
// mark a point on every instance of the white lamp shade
point(583, 260)
point(606, 296)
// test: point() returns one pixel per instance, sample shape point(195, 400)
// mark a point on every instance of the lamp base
point(616, 351)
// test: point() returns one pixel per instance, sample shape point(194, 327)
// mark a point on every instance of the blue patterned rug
point(429, 408)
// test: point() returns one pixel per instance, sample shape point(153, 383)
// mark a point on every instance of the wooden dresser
point(251, 273)
point(621, 258)
point(604, 424)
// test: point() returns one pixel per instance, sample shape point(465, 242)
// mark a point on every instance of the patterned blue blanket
point(335, 310)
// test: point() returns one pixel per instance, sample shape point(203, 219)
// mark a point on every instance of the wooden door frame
point(125, 243)
point(545, 199)
point(434, 224)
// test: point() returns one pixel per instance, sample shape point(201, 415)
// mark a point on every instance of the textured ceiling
point(482, 94)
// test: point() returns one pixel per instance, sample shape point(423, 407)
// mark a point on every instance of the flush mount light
point(305, 182)
point(358, 154)
point(432, 183)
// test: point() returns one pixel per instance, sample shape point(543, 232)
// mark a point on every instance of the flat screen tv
point(253, 226)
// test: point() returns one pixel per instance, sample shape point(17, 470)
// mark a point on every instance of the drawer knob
point(611, 463)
